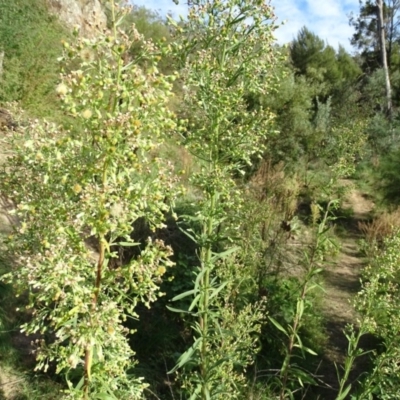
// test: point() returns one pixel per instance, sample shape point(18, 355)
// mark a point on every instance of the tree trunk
point(382, 45)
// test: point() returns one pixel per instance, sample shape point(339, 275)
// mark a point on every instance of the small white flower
point(62, 89)
point(86, 114)
point(116, 210)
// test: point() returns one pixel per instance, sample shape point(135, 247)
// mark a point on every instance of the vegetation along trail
point(169, 192)
point(342, 282)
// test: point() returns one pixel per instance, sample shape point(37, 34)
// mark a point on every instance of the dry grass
point(7, 221)
point(271, 185)
point(271, 228)
point(380, 227)
point(10, 384)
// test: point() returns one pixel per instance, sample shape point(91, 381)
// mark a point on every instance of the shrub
point(77, 195)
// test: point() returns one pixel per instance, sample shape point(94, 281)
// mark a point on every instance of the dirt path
point(341, 284)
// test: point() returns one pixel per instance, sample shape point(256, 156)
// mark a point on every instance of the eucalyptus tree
point(367, 33)
point(383, 53)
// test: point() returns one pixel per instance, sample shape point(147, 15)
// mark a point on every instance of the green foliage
point(377, 303)
point(31, 41)
point(70, 187)
point(294, 109)
point(366, 36)
point(387, 177)
point(149, 23)
point(319, 62)
point(152, 26)
point(348, 68)
point(326, 74)
point(224, 59)
point(311, 122)
point(346, 144)
point(15, 376)
point(83, 194)
point(374, 95)
point(374, 91)
point(307, 50)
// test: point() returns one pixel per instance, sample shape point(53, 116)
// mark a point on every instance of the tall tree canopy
point(316, 60)
point(309, 51)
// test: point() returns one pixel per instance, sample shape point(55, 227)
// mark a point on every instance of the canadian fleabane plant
point(77, 193)
point(226, 54)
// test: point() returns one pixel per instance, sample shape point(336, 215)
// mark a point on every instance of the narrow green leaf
point(299, 343)
point(178, 310)
point(186, 356)
point(237, 20)
point(184, 294)
point(345, 393)
point(216, 291)
point(127, 244)
point(190, 236)
point(302, 376)
point(196, 393)
point(312, 287)
point(278, 325)
point(337, 372)
point(308, 350)
point(199, 277)
point(218, 256)
point(300, 308)
point(80, 384)
point(194, 302)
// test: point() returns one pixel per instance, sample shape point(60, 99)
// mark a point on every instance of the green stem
point(206, 265)
point(353, 346)
point(96, 292)
point(112, 4)
point(114, 98)
point(89, 348)
point(295, 327)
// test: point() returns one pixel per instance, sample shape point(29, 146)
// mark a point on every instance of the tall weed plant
point(76, 196)
point(377, 303)
point(225, 52)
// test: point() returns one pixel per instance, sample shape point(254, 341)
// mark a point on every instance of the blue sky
point(327, 18)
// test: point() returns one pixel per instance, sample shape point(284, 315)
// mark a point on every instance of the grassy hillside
point(31, 40)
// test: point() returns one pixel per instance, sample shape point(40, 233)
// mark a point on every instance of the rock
point(89, 15)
